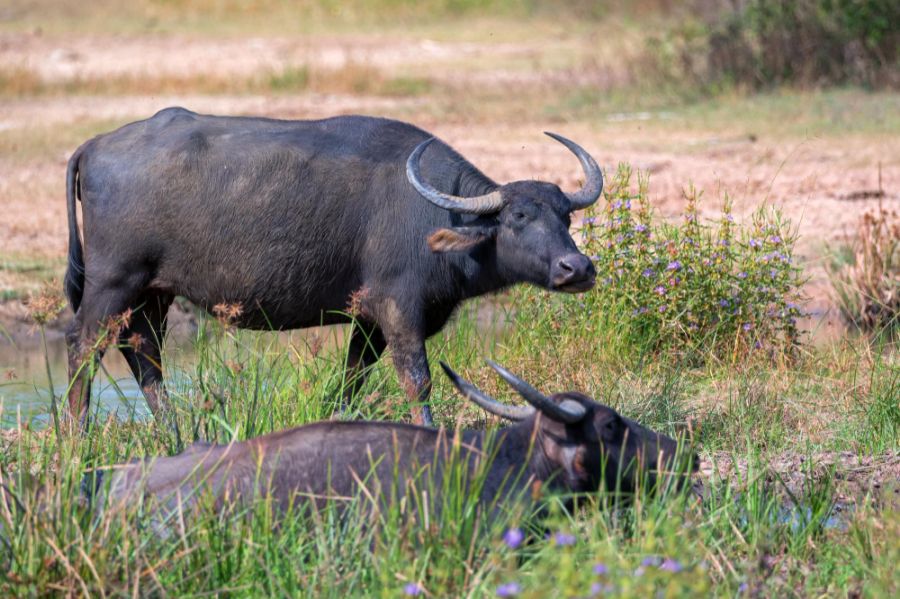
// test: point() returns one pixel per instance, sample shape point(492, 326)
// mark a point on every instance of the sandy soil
point(816, 180)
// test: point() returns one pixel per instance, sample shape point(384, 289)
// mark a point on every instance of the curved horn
point(485, 402)
point(593, 177)
point(484, 204)
point(568, 411)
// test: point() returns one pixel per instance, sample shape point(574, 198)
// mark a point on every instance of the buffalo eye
point(612, 428)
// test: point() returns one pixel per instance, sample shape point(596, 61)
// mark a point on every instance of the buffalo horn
point(487, 403)
point(483, 204)
point(593, 177)
point(568, 411)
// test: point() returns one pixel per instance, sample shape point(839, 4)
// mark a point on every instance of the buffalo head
point(527, 221)
point(586, 442)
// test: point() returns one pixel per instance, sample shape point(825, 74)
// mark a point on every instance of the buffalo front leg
point(411, 363)
point(366, 346)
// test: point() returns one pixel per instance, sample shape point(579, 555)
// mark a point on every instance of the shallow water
point(25, 386)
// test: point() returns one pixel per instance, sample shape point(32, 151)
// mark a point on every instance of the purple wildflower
point(674, 265)
point(590, 220)
point(723, 303)
point(662, 308)
point(743, 588)
point(617, 204)
point(650, 560)
point(513, 538)
point(563, 539)
point(729, 218)
point(747, 326)
point(724, 242)
point(600, 569)
point(413, 589)
point(671, 565)
point(648, 272)
point(742, 275)
point(660, 290)
point(597, 588)
point(627, 205)
point(595, 257)
point(508, 589)
point(775, 239)
point(640, 228)
point(773, 273)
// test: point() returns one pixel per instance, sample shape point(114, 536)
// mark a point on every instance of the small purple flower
point(650, 560)
point(600, 569)
point(563, 539)
point(627, 205)
point(590, 220)
point(513, 538)
point(775, 239)
point(757, 345)
point(617, 204)
point(674, 265)
point(743, 588)
point(648, 272)
point(729, 218)
point(413, 589)
point(671, 565)
point(508, 589)
point(594, 258)
point(640, 228)
point(742, 275)
point(662, 308)
point(723, 303)
point(747, 326)
point(773, 273)
point(597, 588)
point(660, 290)
point(724, 242)
point(754, 243)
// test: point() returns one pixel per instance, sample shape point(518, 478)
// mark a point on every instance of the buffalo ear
point(459, 239)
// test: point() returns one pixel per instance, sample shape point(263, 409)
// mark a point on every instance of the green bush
point(763, 43)
point(727, 287)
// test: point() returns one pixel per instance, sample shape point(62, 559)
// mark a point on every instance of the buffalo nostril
point(565, 266)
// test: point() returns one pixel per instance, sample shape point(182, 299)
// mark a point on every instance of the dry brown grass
point(351, 78)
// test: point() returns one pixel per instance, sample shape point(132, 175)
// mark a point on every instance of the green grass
point(746, 529)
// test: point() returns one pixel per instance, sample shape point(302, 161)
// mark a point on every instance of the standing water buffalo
point(291, 222)
point(566, 443)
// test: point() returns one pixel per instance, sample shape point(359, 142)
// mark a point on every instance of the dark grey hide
point(566, 443)
point(296, 222)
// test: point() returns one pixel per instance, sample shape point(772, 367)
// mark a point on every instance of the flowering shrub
point(731, 287)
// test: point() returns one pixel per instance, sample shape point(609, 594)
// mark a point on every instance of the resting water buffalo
point(291, 222)
point(566, 443)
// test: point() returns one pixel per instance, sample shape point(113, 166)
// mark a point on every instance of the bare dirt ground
point(820, 180)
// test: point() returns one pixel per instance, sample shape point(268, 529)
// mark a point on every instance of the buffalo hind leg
point(141, 345)
point(366, 346)
point(87, 339)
